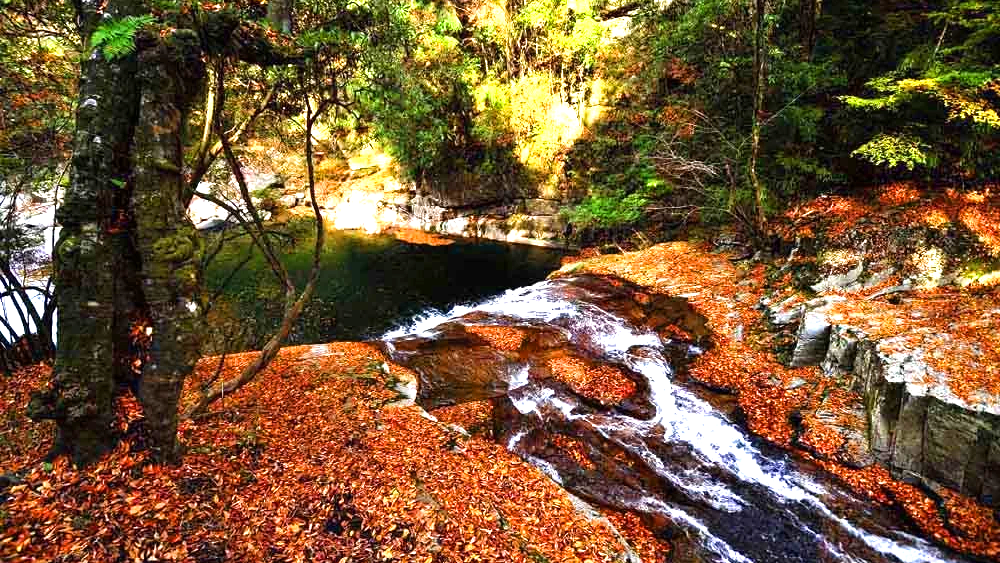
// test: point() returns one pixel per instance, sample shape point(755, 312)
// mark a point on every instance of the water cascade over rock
point(583, 372)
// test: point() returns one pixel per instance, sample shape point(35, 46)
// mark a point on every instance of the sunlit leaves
point(892, 151)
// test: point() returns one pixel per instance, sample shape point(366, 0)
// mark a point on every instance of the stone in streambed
point(840, 281)
point(920, 429)
point(455, 366)
point(842, 349)
point(785, 313)
point(813, 336)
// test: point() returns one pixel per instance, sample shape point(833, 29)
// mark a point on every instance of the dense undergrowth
point(644, 114)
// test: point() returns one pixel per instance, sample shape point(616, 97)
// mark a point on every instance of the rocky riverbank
point(366, 193)
point(863, 387)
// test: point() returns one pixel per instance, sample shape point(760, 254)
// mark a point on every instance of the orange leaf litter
point(315, 460)
point(726, 296)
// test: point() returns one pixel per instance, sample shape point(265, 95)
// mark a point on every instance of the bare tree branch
point(294, 304)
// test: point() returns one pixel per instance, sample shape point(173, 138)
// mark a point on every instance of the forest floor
point(322, 457)
point(319, 459)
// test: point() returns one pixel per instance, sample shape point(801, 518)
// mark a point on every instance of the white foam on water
point(711, 541)
point(520, 378)
point(547, 468)
point(681, 417)
point(515, 439)
point(529, 302)
point(528, 400)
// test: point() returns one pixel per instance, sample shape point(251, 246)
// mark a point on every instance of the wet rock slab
point(461, 361)
point(917, 424)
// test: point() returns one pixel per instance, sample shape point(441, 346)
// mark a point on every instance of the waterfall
point(742, 500)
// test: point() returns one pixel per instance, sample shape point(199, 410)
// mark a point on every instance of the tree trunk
point(171, 73)
point(809, 18)
point(127, 250)
point(760, 86)
point(80, 399)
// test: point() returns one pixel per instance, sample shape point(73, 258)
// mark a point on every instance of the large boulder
point(455, 366)
point(842, 349)
point(921, 429)
point(917, 424)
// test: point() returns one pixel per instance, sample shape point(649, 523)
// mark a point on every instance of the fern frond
point(116, 38)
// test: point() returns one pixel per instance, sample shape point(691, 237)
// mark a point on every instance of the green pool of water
point(368, 284)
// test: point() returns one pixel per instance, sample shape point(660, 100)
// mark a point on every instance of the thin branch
point(206, 154)
point(294, 305)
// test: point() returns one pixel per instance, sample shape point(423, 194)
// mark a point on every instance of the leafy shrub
point(895, 150)
point(608, 209)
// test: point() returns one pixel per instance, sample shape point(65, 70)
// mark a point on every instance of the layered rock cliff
point(927, 417)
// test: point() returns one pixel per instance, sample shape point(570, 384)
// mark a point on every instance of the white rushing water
point(727, 457)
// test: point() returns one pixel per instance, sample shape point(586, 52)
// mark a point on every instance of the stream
point(696, 477)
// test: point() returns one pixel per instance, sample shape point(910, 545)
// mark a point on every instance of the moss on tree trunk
point(127, 249)
point(89, 252)
point(171, 73)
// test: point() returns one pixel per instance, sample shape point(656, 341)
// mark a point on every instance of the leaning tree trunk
point(86, 259)
point(127, 251)
point(171, 73)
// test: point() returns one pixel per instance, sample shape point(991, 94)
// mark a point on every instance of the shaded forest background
point(854, 94)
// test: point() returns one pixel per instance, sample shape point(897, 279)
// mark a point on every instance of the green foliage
point(608, 209)
point(412, 122)
point(116, 38)
point(447, 21)
point(937, 107)
point(621, 193)
point(585, 38)
point(871, 104)
point(494, 113)
point(892, 151)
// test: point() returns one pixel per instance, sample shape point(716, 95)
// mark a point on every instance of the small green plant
point(608, 209)
point(116, 38)
point(895, 150)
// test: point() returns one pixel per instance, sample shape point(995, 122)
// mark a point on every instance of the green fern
point(117, 37)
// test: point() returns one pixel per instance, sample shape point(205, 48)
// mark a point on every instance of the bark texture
point(171, 73)
point(88, 252)
point(127, 251)
point(761, 40)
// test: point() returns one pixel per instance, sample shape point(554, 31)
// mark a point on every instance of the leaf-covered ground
point(322, 459)
point(769, 392)
point(943, 246)
point(319, 459)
